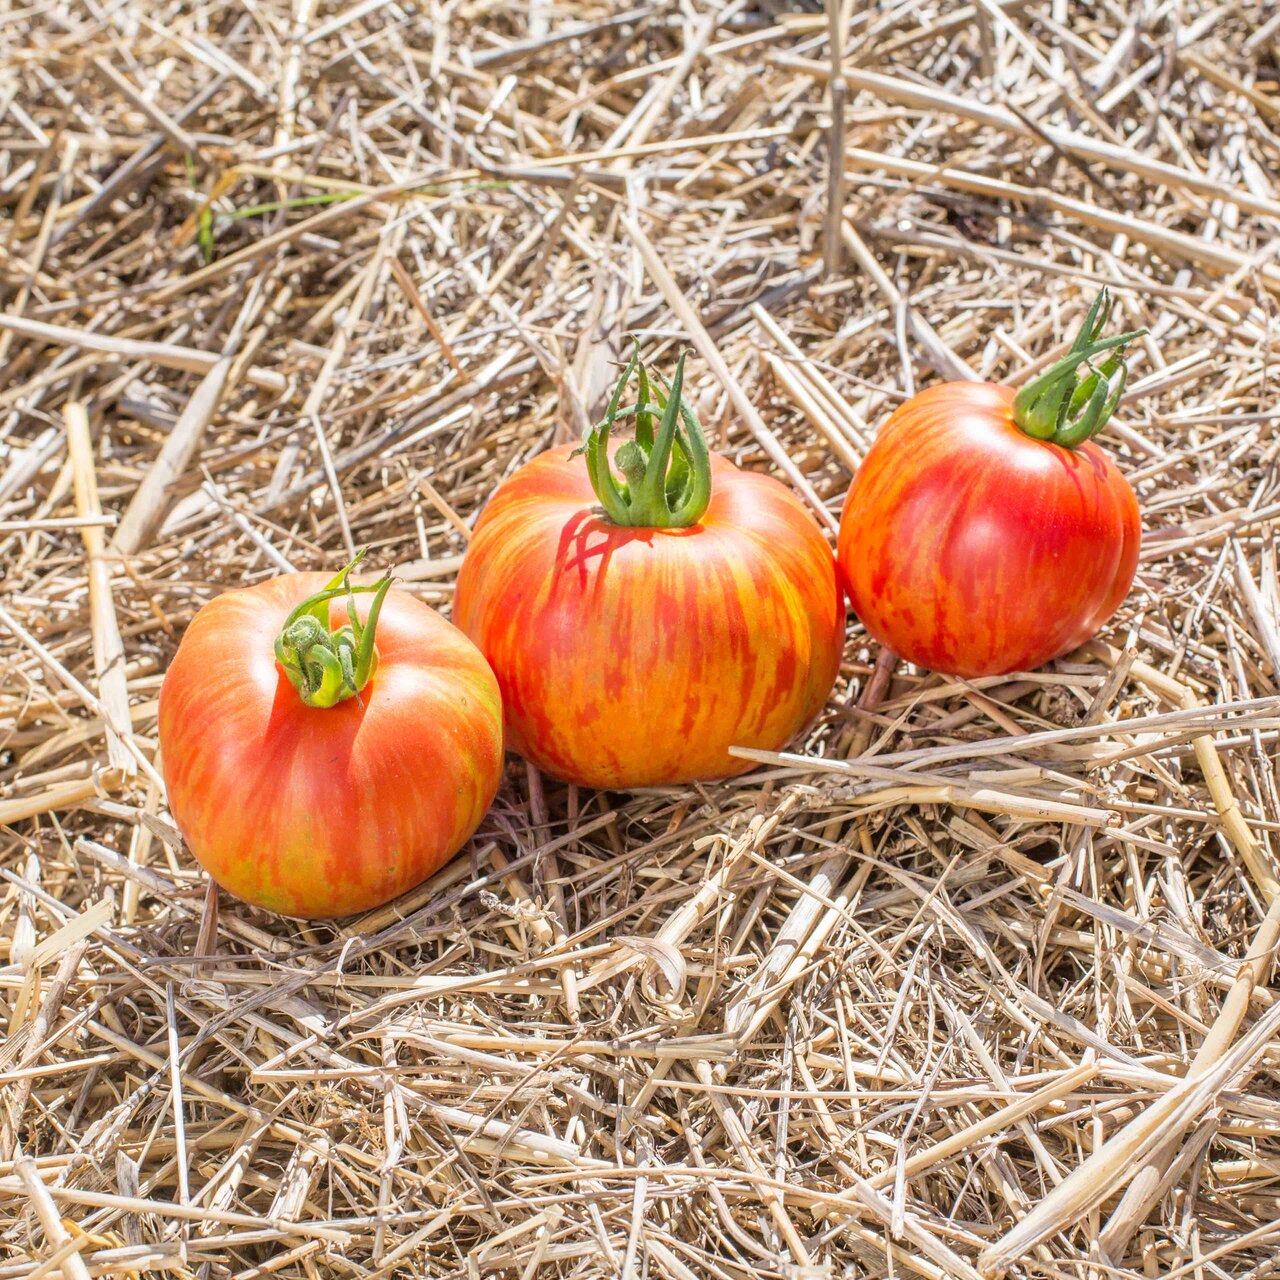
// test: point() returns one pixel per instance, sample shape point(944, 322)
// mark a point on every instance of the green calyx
point(666, 473)
point(327, 667)
point(1072, 400)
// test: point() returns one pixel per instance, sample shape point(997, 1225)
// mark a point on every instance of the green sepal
point(325, 666)
point(666, 470)
point(644, 419)
point(1072, 400)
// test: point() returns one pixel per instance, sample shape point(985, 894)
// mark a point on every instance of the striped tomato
point(695, 609)
point(311, 771)
point(983, 533)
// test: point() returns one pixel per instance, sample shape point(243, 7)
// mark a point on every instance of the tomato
point(983, 532)
point(634, 645)
point(313, 769)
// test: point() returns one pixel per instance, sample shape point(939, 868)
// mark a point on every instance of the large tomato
point(635, 645)
point(983, 533)
point(313, 770)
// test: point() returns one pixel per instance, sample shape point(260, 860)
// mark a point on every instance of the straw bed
point(973, 979)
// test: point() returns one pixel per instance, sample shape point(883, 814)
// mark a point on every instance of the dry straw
point(973, 979)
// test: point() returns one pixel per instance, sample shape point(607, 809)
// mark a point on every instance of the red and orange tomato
point(312, 771)
point(983, 532)
point(634, 645)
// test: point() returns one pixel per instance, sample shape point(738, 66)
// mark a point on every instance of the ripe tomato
point(983, 533)
point(312, 773)
point(635, 645)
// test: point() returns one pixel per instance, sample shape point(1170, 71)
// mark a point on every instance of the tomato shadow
point(1074, 463)
point(588, 544)
point(306, 736)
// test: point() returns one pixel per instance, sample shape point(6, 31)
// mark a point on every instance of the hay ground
point(979, 981)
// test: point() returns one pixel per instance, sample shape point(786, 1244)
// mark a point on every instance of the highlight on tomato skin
point(984, 532)
point(326, 747)
point(649, 605)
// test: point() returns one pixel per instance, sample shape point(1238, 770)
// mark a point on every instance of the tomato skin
point(323, 812)
point(635, 656)
point(972, 549)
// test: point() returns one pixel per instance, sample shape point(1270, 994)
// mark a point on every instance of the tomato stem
point(666, 470)
point(327, 667)
point(1071, 401)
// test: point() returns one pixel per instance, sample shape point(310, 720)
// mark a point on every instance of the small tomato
point(983, 533)
point(312, 770)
